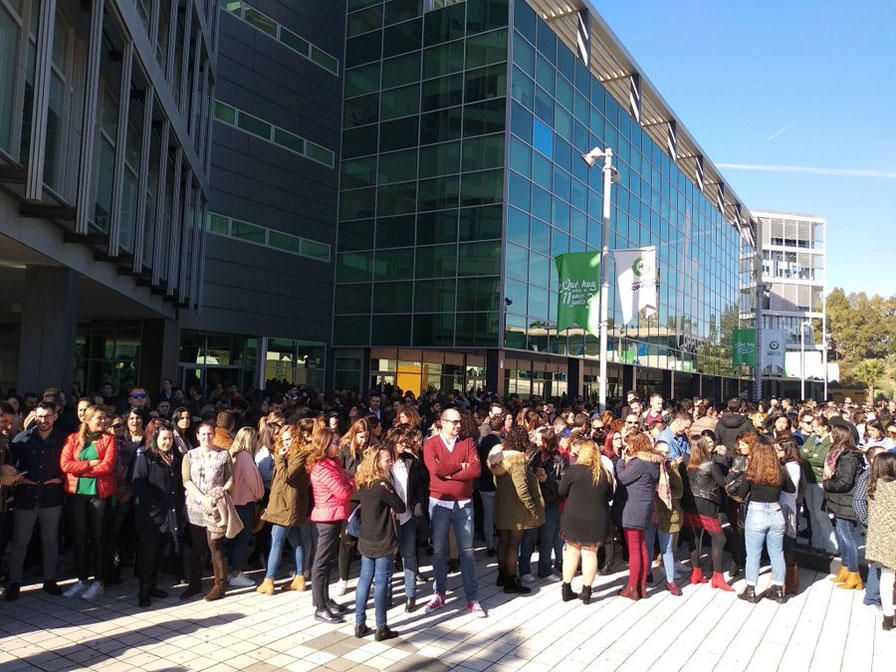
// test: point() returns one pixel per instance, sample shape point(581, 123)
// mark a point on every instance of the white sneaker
point(94, 591)
point(76, 589)
point(527, 578)
point(341, 587)
point(240, 580)
point(553, 578)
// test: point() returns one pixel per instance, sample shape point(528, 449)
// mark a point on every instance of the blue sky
point(802, 84)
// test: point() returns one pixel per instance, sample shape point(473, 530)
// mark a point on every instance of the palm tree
point(869, 371)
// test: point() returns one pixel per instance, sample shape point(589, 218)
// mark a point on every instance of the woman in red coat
point(88, 461)
point(332, 487)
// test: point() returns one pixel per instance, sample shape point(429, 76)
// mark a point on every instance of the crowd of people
point(173, 483)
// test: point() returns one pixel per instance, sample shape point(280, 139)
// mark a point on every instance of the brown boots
point(792, 580)
point(219, 564)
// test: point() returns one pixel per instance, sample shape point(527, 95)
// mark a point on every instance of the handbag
point(353, 525)
point(734, 483)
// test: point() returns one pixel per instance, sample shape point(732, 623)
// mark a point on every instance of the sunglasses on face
point(141, 395)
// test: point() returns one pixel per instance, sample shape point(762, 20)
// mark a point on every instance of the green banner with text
point(579, 293)
point(744, 348)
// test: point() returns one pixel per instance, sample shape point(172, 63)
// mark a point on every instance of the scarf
point(830, 462)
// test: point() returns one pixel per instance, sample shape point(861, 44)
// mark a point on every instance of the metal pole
point(802, 361)
point(605, 277)
point(824, 356)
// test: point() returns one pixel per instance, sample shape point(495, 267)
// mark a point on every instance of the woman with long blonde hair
point(353, 446)
point(247, 491)
point(585, 523)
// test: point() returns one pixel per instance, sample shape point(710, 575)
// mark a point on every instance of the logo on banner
point(637, 281)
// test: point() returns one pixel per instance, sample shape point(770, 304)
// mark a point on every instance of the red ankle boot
point(718, 581)
point(631, 592)
point(697, 576)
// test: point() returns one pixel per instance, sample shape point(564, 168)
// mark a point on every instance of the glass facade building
point(461, 181)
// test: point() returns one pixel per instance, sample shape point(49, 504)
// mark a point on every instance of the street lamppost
point(610, 176)
point(803, 326)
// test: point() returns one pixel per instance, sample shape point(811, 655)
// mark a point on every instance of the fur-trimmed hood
point(499, 459)
point(650, 457)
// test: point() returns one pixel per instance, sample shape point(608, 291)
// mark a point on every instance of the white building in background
point(793, 274)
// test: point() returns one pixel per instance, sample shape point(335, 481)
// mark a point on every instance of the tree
point(861, 328)
point(869, 371)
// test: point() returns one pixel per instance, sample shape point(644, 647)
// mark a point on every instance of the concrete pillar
point(494, 371)
point(628, 379)
point(667, 388)
point(575, 377)
point(49, 323)
point(158, 354)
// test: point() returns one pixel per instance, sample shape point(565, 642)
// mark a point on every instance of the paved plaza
point(821, 629)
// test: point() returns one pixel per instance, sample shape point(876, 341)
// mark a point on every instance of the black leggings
point(509, 550)
point(347, 546)
point(695, 542)
point(327, 552)
point(87, 515)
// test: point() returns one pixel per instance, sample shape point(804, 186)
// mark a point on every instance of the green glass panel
point(479, 259)
point(362, 80)
point(402, 38)
point(284, 241)
point(354, 266)
point(398, 133)
point(320, 154)
point(324, 60)
point(524, 54)
point(437, 227)
point(434, 330)
point(434, 296)
point(515, 294)
point(401, 70)
point(315, 250)
point(400, 10)
point(443, 60)
point(394, 264)
point(395, 231)
point(354, 330)
point(441, 125)
point(438, 193)
point(486, 15)
point(391, 330)
point(481, 223)
point(437, 261)
point(486, 49)
point(357, 235)
point(444, 24)
point(254, 125)
point(520, 156)
point(443, 159)
point(218, 224)
point(225, 113)
point(398, 167)
point(518, 227)
point(356, 203)
point(525, 20)
point(539, 269)
point(293, 41)
point(443, 92)
point(482, 188)
point(401, 102)
point(352, 299)
point(361, 111)
point(517, 264)
point(249, 232)
point(288, 140)
point(489, 82)
point(359, 141)
point(359, 172)
point(396, 199)
point(367, 20)
point(392, 297)
point(363, 48)
point(483, 152)
point(478, 293)
point(260, 21)
point(485, 117)
point(477, 329)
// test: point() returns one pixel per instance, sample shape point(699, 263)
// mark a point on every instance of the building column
point(628, 379)
point(667, 388)
point(49, 323)
point(158, 353)
point(494, 371)
point(575, 377)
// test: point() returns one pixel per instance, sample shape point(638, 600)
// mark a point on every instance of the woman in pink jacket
point(332, 488)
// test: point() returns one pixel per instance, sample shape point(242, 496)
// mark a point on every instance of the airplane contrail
point(808, 170)
point(779, 132)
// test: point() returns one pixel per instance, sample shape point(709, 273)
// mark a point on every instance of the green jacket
point(815, 452)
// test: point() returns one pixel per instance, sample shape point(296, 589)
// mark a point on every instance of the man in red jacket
point(453, 465)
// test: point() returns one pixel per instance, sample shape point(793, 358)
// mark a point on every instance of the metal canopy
point(612, 65)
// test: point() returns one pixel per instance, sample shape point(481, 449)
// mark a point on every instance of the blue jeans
point(488, 518)
point(548, 542)
point(460, 518)
point(667, 548)
point(765, 526)
point(379, 569)
point(278, 535)
point(238, 547)
point(847, 539)
point(407, 543)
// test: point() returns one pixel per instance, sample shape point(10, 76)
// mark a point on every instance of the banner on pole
point(774, 347)
point(637, 279)
point(579, 291)
point(743, 351)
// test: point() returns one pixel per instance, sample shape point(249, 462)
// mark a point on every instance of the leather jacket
point(706, 481)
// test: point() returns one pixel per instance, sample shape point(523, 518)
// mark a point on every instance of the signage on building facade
point(743, 350)
point(579, 292)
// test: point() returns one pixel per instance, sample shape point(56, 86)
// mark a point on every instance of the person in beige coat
point(880, 546)
point(519, 505)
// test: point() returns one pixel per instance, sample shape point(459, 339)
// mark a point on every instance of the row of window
point(244, 11)
point(260, 235)
point(249, 123)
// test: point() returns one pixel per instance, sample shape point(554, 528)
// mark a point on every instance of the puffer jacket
point(288, 503)
point(75, 468)
point(332, 489)
point(639, 477)
point(839, 488)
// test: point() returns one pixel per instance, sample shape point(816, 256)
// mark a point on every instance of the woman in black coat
point(158, 494)
point(639, 472)
point(585, 523)
point(841, 470)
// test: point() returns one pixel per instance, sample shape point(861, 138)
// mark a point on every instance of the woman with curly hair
point(585, 523)
point(841, 469)
point(639, 472)
point(519, 505)
point(881, 546)
point(377, 541)
point(352, 445)
point(765, 480)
